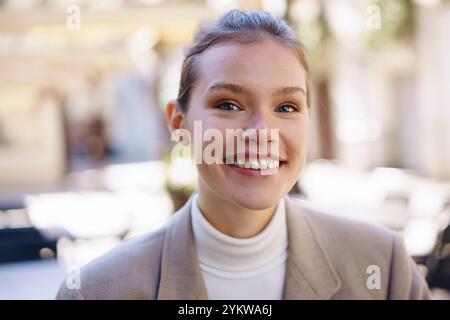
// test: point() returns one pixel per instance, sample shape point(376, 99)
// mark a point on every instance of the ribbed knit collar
point(230, 257)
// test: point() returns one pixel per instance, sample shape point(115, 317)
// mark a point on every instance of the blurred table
point(38, 279)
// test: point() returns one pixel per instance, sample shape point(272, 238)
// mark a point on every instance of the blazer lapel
point(181, 277)
point(309, 273)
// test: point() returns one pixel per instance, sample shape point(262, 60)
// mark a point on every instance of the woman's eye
point(286, 108)
point(228, 106)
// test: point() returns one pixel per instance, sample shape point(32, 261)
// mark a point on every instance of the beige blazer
point(328, 258)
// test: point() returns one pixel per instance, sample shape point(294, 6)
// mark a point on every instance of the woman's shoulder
point(135, 260)
point(350, 245)
point(359, 253)
point(132, 269)
point(326, 225)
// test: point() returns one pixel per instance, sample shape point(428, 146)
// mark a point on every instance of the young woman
point(241, 236)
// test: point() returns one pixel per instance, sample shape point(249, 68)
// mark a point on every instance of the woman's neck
point(231, 219)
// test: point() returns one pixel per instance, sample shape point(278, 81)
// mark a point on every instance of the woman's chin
point(255, 201)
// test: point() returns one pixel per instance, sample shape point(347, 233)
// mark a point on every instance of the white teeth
point(256, 165)
point(273, 164)
point(263, 164)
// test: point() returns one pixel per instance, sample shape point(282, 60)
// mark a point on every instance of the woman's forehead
point(264, 64)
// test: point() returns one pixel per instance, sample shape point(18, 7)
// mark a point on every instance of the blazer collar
point(309, 273)
point(181, 277)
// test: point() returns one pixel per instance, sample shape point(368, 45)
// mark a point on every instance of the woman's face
point(257, 86)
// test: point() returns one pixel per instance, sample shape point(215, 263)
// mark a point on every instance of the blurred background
point(84, 148)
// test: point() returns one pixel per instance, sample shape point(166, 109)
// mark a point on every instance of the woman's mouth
point(255, 168)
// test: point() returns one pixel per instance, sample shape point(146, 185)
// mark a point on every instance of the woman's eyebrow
point(229, 87)
point(289, 91)
point(242, 90)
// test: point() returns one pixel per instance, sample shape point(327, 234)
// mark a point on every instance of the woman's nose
point(259, 125)
point(260, 120)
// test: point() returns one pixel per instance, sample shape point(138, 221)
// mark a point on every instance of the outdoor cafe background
point(84, 145)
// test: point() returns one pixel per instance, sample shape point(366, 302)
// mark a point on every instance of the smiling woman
point(241, 236)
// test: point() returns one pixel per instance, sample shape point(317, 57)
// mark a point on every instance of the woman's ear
point(174, 115)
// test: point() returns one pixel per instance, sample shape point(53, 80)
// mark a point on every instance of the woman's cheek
point(295, 142)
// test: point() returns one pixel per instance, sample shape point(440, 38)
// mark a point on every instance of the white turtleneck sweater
point(250, 268)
